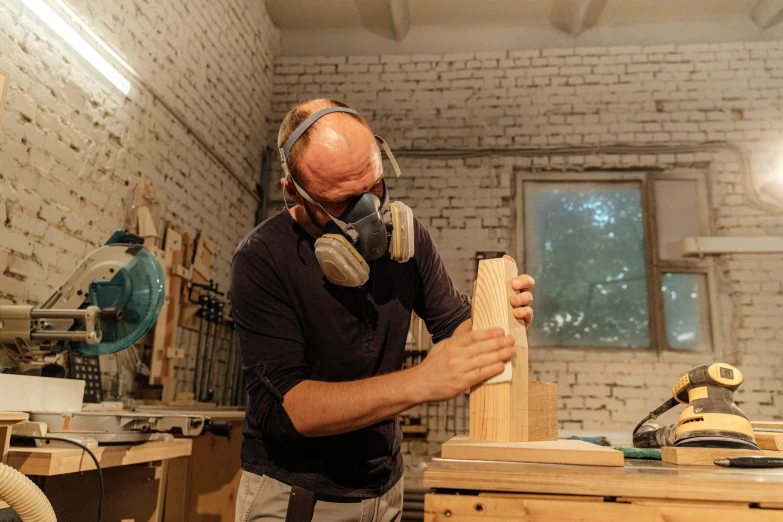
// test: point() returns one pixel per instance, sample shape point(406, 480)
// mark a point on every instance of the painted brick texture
point(565, 98)
point(72, 147)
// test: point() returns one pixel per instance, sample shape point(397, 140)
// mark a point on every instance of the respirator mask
point(368, 229)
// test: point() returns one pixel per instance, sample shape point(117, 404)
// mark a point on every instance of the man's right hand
point(460, 362)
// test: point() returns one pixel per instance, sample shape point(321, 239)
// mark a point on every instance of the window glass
point(585, 246)
point(686, 310)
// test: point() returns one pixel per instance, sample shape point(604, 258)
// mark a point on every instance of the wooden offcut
point(542, 410)
point(769, 440)
point(708, 456)
point(550, 452)
point(508, 408)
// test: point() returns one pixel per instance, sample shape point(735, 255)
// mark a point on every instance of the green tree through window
point(585, 246)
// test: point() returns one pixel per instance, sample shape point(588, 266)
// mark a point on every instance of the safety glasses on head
point(369, 228)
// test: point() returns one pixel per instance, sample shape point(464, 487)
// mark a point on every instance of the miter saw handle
point(218, 428)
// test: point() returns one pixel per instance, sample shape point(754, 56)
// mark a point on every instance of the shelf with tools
point(191, 356)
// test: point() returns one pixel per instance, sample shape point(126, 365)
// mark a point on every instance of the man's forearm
point(328, 408)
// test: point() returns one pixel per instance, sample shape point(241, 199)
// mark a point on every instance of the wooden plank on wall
point(499, 410)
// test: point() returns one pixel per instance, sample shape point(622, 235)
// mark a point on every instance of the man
point(322, 295)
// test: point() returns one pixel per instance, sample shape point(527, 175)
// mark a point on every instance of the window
point(604, 250)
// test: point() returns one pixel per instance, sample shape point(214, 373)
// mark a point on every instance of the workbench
point(205, 483)
point(134, 476)
point(640, 491)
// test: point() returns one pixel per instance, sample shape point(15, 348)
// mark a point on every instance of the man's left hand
point(522, 301)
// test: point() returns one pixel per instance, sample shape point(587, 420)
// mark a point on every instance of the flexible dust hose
point(24, 497)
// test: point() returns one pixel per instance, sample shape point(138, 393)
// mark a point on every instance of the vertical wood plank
point(499, 411)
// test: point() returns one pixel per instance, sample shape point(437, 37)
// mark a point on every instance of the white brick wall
point(72, 148)
point(663, 95)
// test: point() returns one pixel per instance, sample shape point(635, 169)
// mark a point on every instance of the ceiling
point(422, 26)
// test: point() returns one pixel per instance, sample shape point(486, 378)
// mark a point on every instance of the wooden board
point(456, 508)
point(57, 461)
point(767, 424)
point(499, 410)
point(769, 441)
point(177, 490)
point(642, 479)
point(707, 456)
point(552, 452)
point(542, 411)
point(9, 418)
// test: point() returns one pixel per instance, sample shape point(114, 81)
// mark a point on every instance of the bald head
point(335, 159)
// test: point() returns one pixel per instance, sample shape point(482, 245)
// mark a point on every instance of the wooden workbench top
point(9, 418)
point(638, 479)
point(58, 461)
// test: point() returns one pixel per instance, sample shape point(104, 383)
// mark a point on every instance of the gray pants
point(264, 499)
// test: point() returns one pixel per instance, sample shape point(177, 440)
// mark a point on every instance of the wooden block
point(181, 271)
point(769, 440)
point(169, 388)
point(552, 452)
point(542, 411)
point(146, 226)
point(499, 411)
point(5, 442)
point(707, 456)
point(175, 353)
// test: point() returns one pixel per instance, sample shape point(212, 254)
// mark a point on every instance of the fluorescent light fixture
point(59, 26)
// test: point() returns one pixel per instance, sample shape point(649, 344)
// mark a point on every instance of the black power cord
point(86, 449)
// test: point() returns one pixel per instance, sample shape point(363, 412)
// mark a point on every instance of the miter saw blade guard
point(137, 289)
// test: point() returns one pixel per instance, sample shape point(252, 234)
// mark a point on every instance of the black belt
point(301, 505)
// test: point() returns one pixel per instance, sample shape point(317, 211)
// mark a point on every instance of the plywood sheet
point(552, 452)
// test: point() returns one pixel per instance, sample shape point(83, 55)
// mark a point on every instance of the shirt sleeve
point(438, 302)
point(270, 341)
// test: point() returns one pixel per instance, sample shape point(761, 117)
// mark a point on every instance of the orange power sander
point(711, 420)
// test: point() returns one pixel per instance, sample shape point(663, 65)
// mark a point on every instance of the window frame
point(655, 266)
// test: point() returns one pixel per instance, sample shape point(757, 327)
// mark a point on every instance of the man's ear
point(290, 189)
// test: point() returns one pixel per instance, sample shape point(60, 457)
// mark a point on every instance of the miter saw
point(711, 419)
point(107, 304)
